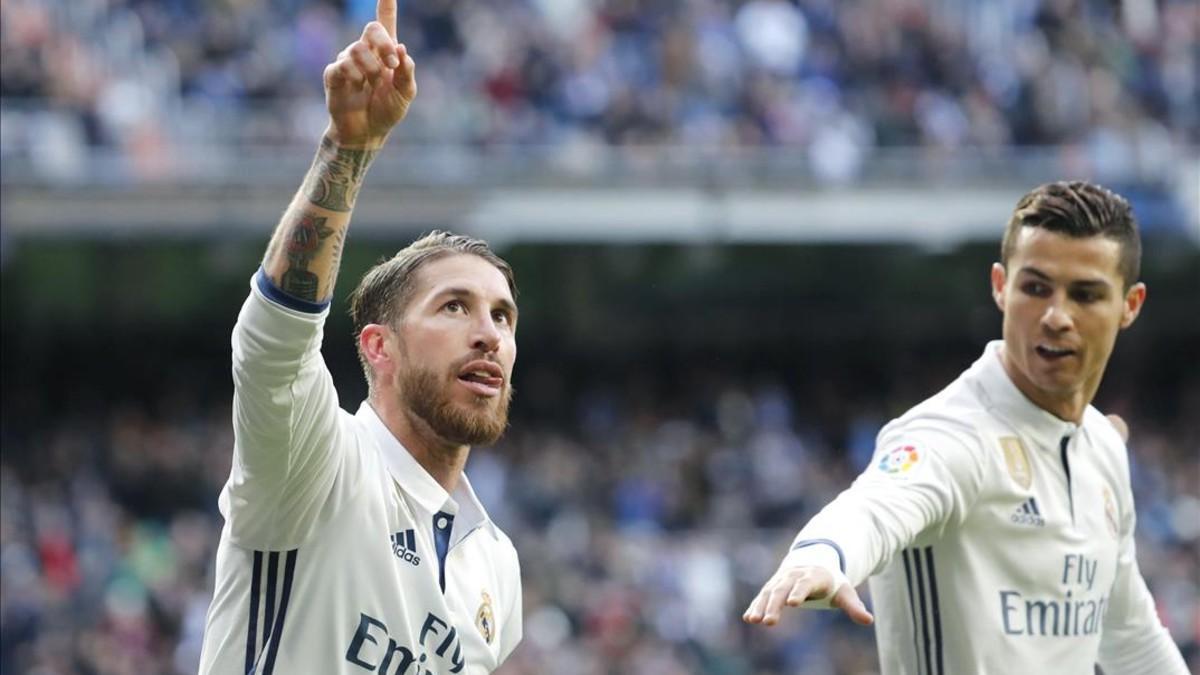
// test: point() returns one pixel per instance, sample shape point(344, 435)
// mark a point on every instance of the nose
point(485, 336)
point(1056, 319)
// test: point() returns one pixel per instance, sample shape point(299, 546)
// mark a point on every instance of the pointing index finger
point(385, 13)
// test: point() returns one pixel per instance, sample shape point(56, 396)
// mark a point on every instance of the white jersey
point(1000, 539)
point(340, 554)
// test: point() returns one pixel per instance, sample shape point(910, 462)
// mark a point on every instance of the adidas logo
point(1028, 514)
point(404, 545)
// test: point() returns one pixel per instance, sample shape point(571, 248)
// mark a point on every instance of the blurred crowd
point(646, 517)
point(1115, 82)
point(645, 521)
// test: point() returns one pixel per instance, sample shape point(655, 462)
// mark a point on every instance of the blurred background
point(747, 233)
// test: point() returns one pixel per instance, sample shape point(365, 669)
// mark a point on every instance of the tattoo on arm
point(336, 176)
point(339, 238)
point(303, 243)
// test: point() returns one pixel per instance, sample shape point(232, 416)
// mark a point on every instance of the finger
point(754, 612)
point(801, 592)
point(385, 14)
point(776, 601)
point(333, 76)
point(404, 78)
point(1122, 427)
point(343, 73)
point(848, 601)
point(381, 43)
point(366, 61)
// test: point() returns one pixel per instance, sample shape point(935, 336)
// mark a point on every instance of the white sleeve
point(921, 478)
point(285, 422)
point(1133, 640)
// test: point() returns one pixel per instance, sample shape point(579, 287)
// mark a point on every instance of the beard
point(481, 422)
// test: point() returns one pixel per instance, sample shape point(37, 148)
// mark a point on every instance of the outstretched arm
point(285, 410)
point(921, 478)
point(368, 89)
point(799, 583)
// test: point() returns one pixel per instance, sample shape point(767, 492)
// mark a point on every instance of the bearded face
point(470, 420)
point(450, 356)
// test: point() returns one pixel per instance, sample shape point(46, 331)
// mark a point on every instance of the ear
point(999, 279)
point(1135, 297)
point(372, 343)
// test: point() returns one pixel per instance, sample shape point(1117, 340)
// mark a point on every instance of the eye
point(1035, 288)
point(501, 317)
point(1086, 296)
point(454, 307)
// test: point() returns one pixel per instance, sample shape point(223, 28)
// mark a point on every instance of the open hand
point(370, 85)
point(792, 586)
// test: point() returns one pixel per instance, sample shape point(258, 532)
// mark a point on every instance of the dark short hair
point(388, 287)
point(1079, 209)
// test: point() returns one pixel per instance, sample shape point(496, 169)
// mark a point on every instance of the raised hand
point(370, 85)
point(793, 586)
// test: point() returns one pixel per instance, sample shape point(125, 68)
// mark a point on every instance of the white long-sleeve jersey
point(997, 538)
point(340, 555)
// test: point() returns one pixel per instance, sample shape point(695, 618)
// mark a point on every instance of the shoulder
point(948, 429)
point(951, 419)
point(504, 558)
point(1106, 443)
point(1103, 432)
point(505, 551)
point(507, 566)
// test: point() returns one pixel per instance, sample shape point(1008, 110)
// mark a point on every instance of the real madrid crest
point(1017, 460)
point(485, 620)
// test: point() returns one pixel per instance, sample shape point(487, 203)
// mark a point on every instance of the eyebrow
point(1081, 282)
point(459, 292)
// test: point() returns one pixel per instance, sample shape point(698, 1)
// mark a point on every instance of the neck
point(440, 458)
point(1067, 406)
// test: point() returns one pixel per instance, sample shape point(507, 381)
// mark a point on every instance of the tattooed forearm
point(339, 238)
point(306, 249)
point(303, 242)
point(336, 176)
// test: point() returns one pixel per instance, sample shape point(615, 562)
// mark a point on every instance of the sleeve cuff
point(276, 295)
point(820, 552)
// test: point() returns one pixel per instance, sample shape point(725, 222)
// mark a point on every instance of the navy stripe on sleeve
point(925, 636)
point(937, 613)
point(289, 569)
point(252, 629)
point(272, 617)
point(272, 583)
point(279, 296)
point(912, 608)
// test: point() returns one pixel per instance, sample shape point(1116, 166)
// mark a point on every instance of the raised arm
point(367, 91)
point(285, 407)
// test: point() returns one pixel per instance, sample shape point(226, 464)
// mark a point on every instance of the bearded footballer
point(353, 542)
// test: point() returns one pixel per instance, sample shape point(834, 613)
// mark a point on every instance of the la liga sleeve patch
point(901, 460)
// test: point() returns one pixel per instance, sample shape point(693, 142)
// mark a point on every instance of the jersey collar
point(416, 482)
point(1004, 398)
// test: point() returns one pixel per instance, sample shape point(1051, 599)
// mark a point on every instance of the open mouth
point(1051, 353)
point(484, 378)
